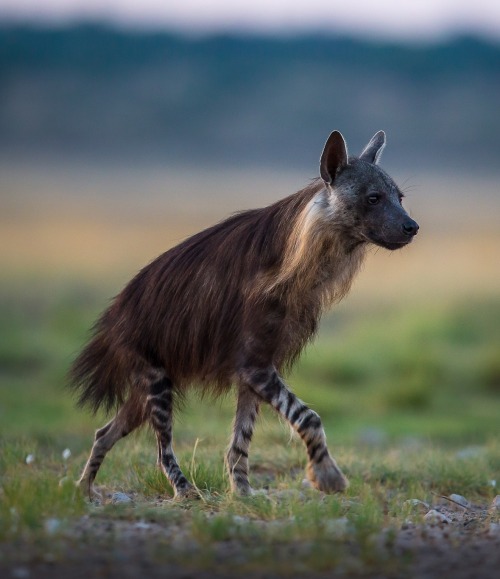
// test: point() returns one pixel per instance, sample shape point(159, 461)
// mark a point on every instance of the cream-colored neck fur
point(318, 256)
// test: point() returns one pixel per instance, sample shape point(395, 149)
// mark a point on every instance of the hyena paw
point(326, 476)
point(89, 491)
point(242, 489)
point(186, 493)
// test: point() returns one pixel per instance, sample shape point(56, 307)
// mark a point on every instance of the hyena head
point(365, 200)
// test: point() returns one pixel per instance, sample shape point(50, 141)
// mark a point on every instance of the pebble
point(495, 528)
point(20, 573)
point(434, 517)
point(120, 498)
point(30, 459)
point(408, 524)
point(416, 504)
point(496, 502)
point(66, 453)
point(52, 526)
point(471, 452)
point(240, 520)
point(142, 525)
point(462, 501)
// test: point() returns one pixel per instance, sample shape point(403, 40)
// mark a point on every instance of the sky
point(375, 18)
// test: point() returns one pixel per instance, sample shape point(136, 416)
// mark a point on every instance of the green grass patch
point(409, 399)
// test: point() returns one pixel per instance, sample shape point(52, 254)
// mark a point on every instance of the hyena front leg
point(247, 409)
point(160, 406)
point(126, 420)
point(322, 470)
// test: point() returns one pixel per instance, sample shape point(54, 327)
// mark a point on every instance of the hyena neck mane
point(320, 257)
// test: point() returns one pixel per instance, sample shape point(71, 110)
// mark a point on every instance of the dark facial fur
point(371, 205)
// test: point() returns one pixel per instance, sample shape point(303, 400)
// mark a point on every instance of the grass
point(402, 393)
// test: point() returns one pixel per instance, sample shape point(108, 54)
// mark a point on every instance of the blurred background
point(125, 127)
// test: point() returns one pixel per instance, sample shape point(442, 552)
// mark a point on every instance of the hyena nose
point(410, 227)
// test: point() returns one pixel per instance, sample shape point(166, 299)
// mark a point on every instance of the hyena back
point(235, 305)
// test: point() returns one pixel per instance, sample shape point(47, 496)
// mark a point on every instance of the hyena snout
point(410, 228)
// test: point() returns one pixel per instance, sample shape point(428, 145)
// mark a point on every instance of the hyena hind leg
point(160, 407)
point(247, 409)
point(126, 420)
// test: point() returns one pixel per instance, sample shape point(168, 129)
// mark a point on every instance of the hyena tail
point(102, 374)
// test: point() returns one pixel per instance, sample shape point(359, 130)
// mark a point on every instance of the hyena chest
point(336, 273)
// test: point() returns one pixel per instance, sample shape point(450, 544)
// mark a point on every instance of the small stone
point(66, 453)
point(30, 459)
point(120, 498)
point(494, 529)
point(493, 483)
point(407, 524)
point(496, 503)
point(20, 573)
point(434, 517)
point(52, 526)
point(416, 504)
point(470, 452)
point(240, 520)
point(459, 499)
point(142, 525)
point(306, 484)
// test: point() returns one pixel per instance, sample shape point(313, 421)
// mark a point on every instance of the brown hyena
point(234, 305)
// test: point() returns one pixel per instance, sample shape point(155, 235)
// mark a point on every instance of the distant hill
point(96, 92)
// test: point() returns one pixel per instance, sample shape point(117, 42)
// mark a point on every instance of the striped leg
point(322, 470)
point(125, 421)
point(160, 405)
point(247, 409)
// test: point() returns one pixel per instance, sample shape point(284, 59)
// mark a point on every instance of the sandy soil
point(465, 547)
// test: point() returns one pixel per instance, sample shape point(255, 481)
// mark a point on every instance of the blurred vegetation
point(90, 91)
point(430, 372)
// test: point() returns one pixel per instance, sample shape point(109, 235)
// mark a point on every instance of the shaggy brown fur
point(188, 310)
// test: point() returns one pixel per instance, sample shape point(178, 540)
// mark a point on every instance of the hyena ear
point(373, 151)
point(334, 157)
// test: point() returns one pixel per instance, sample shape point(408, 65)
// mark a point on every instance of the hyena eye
point(373, 199)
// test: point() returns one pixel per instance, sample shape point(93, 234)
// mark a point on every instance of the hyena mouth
point(392, 245)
